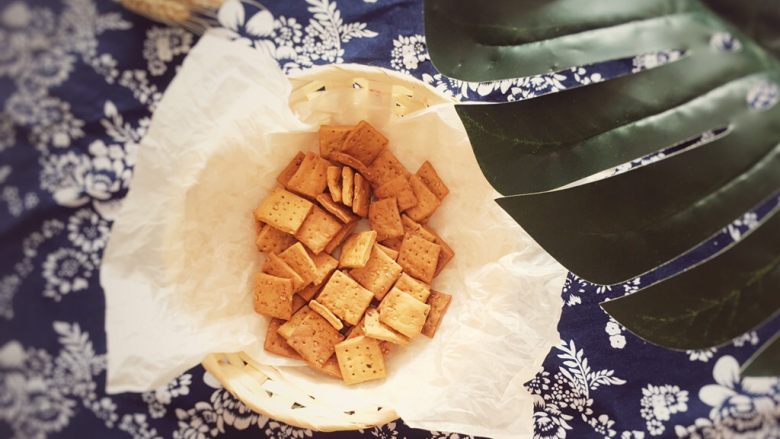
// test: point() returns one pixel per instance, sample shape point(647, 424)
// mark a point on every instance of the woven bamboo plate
point(263, 388)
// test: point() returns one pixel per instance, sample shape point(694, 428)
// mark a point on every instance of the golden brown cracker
point(384, 217)
point(428, 175)
point(346, 298)
point(347, 185)
point(417, 289)
point(343, 214)
point(362, 196)
point(332, 138)
point(326, 314)
point(360, 359)
point(283, 210)
point(273, 240)
point(317, 230)
point(400, 188)
point(419, 257)
point(427, 201)
point(346, 229)
point(334, 183)
point(275, 343)
point(275, 266)
point(326, 264)
point(273, 296)
point(379, 274)
point(330, 368)
point(446, 254)
point(403, 312)
point(290, 169)
point(388, 251)
point(314, 339)
point(364, 143)
point(286, 329)
point(357, 249)
point(311, 178)
point(439, 303)
point(299, 260)
point(415, 228)
point(373, 328)
point(298, 303)
point(352, 162)
point(393, 244)
point(385, 167)
point(309, 292)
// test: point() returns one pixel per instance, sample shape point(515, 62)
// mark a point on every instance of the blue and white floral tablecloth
point(79, 80)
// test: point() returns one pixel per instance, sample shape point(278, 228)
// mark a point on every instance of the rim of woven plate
point(262, 388)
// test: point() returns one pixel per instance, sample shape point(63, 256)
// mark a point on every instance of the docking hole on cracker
point(338, 296)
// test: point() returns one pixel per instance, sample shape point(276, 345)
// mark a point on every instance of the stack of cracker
point(342, 300)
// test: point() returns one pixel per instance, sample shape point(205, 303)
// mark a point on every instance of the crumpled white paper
point(177, 269)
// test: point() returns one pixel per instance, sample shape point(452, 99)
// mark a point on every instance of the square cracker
point(384, 217)
point(428, 175)
point(427, 201)
point(346, 229)
point(419, 257)
point(364, 143)
point(362, 196)
point(275, 343)
point(332, 138)
point(439, 303)
point(400, 188)
point(290, 169)
point(334, 183)
point(388, 251)
point(393, 244)
point(373, 328)
point(379, 274)
point(347, 185)
point(352, 162)
point(275, 266)
point(299, 260)
point(314, 339)
point(317, 230)
point(330, 368)
point(357, 249)
point(446, 254)
point(326, 314)
point(311, 178)
point(403, 312)
point(273, 296)
point(385, 167)
point(336, 209)
point(326, 264)
point(286, 329)
point(357, 331)
point(415, 228)
point(345, 297)
point(283, 210)
point(414, 287)
point(360, 359)
point(273, 240)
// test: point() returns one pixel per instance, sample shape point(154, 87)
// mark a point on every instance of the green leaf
point(765, 362)
point(542, 153)
point(684, 312)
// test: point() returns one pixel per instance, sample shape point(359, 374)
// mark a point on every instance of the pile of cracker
point(343, 308)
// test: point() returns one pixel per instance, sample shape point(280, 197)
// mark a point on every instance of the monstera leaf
point(542, 153)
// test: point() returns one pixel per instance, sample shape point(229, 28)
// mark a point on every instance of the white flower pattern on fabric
point(88, 231)
point(746, 408)
point(408, 52)
point(66, 270)
point(159, 399)
point(659, 403)
point(162, 45)
point(570, 395)
point(703, 355)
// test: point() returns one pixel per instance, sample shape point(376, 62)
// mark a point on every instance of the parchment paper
point(177, 269)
